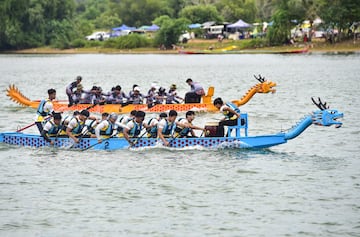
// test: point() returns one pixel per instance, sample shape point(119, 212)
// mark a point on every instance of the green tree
point(139, 12)
point(264, 9)
point(233, 10)
point(28, 23)
point(201, 14)
point(170, 30)
point(286, 14)
point(340, 14)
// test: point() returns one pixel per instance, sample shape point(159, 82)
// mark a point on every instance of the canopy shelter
point(239, 24)
point(194, 26)
point(153, 27)
point(123, 27)
point(143, 27)
point(207, 24)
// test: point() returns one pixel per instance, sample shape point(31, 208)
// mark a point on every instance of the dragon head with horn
point(264, 86)
point(326, 116)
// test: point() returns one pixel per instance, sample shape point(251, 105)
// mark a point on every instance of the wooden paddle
point(137, 139)
point(80, 137)
point(90, 107)
point(48, 117)
point(30, 125)
point(173, 138)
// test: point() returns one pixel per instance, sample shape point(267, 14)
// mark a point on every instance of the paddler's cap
point(78, 78)
point(173, 86)
point(57, 116)
point(161, 89)
point(113, 116)
point(79, 87)
point(153, 85)
point(94, 88)
point(137, 88)
point(85, 113)
point(163, 115)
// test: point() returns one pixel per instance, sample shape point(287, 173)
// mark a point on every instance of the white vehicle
point(213, 31)
point(185, 37)
point(100, 35)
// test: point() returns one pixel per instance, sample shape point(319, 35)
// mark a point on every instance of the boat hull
point(249, 142)
point(117, 108)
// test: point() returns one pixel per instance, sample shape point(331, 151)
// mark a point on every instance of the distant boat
point(296, 51)
point(228, 49)
point(206, 105)
point(252, 51)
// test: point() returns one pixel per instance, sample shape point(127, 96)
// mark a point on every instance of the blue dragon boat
point(237, 136)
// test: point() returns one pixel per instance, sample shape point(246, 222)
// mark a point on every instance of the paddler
point(52, 128)
point(135, 126)
point(45, 109)
point(231, 113)
point(106, 128)
point(153, 122)
point(77, 125)
point(124, 120)
point(70, 89)
point(185, 126)
point(166, 127)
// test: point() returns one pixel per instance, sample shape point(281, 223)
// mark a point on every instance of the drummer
point(231, 113)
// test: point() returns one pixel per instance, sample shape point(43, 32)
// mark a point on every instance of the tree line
point(63, 24)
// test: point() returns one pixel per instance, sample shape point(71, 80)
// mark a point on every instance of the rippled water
point(307, 187)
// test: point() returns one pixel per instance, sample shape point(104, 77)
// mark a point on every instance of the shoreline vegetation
point(199, 45)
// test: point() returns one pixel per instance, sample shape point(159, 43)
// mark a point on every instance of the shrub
point(78, 43)
point(93, 43)
point(255, 43)
point(128, 42)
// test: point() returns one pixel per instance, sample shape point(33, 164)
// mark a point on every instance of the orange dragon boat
point(206, 104)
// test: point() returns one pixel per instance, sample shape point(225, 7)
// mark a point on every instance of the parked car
point(99, 35)
point(185, 37)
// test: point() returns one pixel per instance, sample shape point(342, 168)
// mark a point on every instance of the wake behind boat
point(237, 136)
point(206, 105)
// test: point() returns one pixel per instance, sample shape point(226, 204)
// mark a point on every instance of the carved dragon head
point(326, 116)
point(264, 86)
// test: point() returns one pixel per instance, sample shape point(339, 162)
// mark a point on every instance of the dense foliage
point(63, 24)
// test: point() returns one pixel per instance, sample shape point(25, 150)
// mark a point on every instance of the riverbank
point(210, 46)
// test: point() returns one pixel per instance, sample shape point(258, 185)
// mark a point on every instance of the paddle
point(80, 137)
point(87, 148)
point(91, 106)
point(137, 139)
point(173, 138)
point(87, 108)
point(30, 125)
point(48, 117)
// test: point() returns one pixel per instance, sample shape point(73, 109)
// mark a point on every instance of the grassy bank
point(239, 46)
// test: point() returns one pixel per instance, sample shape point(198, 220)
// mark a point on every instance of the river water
point(307, 187)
